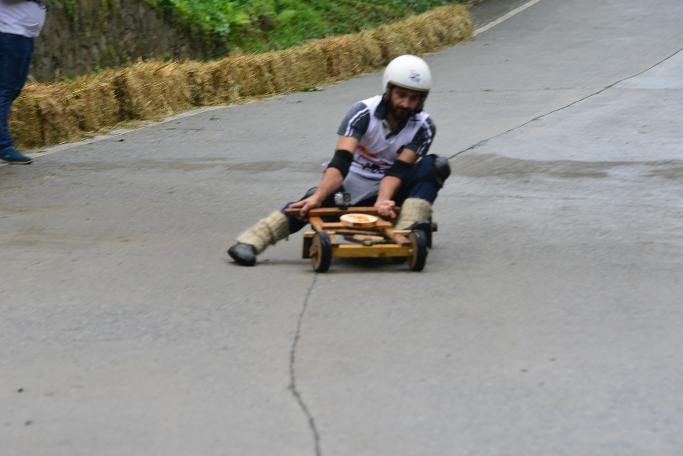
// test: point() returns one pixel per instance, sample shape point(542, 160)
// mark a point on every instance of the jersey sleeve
point(356, 122)
point(422, 140)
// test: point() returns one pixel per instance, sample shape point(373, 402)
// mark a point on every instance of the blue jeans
point(15, 61)
point(421, 182)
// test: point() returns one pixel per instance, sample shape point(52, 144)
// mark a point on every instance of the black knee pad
point(441, 169)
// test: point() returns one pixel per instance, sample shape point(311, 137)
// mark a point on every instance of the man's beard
point(399, 114)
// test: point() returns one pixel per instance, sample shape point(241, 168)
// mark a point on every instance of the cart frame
point(330, 239)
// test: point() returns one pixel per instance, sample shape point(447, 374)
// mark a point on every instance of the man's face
point(403, 102)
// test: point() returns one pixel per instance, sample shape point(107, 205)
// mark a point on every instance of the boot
point(413, 210)
point(265, 232)
point(416, 214)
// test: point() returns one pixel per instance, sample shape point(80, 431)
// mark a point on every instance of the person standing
point(20, 22)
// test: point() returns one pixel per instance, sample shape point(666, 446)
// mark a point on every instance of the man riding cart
point(380, 160)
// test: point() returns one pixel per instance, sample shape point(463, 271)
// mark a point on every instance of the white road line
point(63, 147)
point(504, 18)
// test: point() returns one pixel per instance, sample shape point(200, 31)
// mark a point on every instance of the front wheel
point(321, 252)
point(418, 258)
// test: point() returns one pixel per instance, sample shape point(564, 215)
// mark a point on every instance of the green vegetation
point(261, 25)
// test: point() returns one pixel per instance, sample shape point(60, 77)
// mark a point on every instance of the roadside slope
point(51, 113)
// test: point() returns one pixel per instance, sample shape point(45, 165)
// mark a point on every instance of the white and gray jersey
point(20, 17)
point(378, 145)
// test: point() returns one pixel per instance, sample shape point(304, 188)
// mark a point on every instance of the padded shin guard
point(266, 232)
point(413, 210)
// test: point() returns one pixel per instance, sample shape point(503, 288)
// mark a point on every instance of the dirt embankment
point(86, 35)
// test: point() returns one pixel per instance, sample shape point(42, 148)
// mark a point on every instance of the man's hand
point(386, 208)
point(306, 205)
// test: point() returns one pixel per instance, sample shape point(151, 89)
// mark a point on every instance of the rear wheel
point(418, 258)
point(321, 252)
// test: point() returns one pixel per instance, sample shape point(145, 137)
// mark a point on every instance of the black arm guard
point(342, 161)
point(399, 169)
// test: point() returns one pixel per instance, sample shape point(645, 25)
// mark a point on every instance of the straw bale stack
point(94, 101)
point(392, 41)
point(201, 78)
point(57, 112)
point(223, 85)
point(454, 22)
point(424, 37)
point(58, 118)
point(25, 123)
point(305, 66)
point(148, 90)
point(251, 76)
point(275, 73)
point(342, 56)
point(370, 50)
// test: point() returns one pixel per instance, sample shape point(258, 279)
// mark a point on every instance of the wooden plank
point(374, 251)
point(333, 211)
point(316, 223)
point(368, 232)
point(339, 225)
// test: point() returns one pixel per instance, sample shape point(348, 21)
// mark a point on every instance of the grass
point(264, 25)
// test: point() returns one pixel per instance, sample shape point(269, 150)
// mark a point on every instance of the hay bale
point(152, 89)
point(58, 112)
point(204, 80)
point(453, 20)
point(280, 77)
point(260, 72)
point(94, 101)
point(250, 75)
point(25, 124)
point(434, 29)
point(283, 67)
point(370, 51)
point(426, 32)
point(343, 56)
point(350, 55)
point(391, 41)
point(58, 118)
point(307, 65)
point(421, 29)
point(221, 77)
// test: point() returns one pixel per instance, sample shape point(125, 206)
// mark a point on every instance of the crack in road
point(292, 371)
point(292, 357)
point(575, 102)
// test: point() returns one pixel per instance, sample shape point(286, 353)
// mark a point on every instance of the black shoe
point(244, 254)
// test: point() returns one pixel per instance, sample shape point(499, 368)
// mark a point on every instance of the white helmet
point(409, 72)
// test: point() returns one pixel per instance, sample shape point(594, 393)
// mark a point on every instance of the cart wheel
point(419, 256)
point(321, 252)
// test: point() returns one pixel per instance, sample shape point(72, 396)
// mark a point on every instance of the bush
point(263, 25)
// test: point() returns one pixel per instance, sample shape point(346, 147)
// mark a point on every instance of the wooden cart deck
point(331, 238)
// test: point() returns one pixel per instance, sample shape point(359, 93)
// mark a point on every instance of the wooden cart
point(334, 237)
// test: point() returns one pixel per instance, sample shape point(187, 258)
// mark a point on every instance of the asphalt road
point(547, 321)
